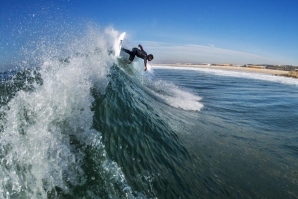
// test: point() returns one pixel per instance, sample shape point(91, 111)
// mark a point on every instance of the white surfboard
point(118, 44)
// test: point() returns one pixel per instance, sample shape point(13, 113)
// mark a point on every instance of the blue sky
point(197, 31)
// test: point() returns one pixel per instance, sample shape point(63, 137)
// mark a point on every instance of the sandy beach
point(235, 68)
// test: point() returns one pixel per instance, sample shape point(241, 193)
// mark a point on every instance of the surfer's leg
point(132, 54)
point(127, 51)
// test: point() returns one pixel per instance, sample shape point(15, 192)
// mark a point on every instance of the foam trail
point(166, 91)
point(175, 96)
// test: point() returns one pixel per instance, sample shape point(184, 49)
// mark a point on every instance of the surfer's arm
point(145, 63)
point(141, 47)
point(145, 58)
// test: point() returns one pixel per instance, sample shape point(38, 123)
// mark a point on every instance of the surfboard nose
point(118, 45)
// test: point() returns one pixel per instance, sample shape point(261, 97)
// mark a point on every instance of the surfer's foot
point(145, 68)
point(129, 62)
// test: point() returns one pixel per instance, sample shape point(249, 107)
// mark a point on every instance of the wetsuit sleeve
point(141, 47)
point(145, 58)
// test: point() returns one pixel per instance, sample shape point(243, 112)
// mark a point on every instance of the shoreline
point(235, 68)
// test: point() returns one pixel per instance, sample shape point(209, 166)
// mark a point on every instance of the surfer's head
point(150, 57)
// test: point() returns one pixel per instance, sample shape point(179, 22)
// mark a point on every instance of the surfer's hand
point(145, 68)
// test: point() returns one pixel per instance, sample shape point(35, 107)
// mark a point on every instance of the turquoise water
point(79, 123)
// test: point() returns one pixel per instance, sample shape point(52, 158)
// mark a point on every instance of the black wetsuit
point(136, 52)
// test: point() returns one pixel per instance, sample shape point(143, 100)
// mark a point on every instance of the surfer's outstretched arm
point(145, 56)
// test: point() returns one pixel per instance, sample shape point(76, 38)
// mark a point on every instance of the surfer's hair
point(150, 56)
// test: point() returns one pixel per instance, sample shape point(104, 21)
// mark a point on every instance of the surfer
point(139, 53)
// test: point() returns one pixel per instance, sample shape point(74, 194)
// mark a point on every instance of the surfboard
point(118, 44)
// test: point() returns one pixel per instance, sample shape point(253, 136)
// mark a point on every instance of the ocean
point(78, 123)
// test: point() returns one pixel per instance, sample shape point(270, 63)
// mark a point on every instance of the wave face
point(78, 123)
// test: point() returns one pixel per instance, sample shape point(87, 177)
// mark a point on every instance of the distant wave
point(240, 74)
